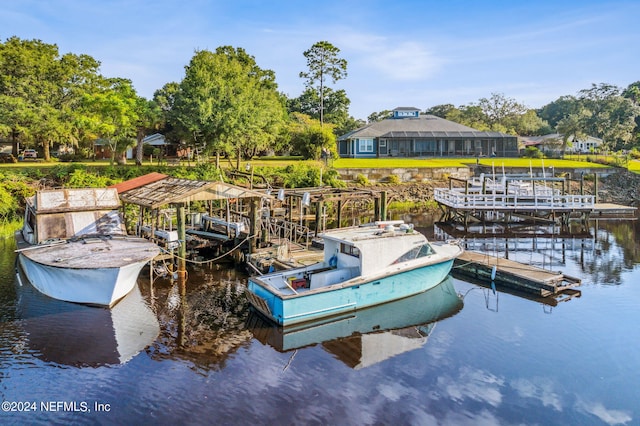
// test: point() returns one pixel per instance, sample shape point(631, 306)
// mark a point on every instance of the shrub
point(532, 152)
point(362, 180)
point(394, 179)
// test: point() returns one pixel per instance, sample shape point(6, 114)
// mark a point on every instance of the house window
point(365, 145)
point(383, 143)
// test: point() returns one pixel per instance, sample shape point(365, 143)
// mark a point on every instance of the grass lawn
point(634, 166)
point(382, 163)
point(361, 163)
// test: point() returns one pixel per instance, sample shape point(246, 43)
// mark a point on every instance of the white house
point(155, 139)
point(553, 143)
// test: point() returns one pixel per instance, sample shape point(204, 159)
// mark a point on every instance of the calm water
point(198, 355)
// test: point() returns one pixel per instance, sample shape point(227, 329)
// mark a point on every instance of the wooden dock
point(515, 275)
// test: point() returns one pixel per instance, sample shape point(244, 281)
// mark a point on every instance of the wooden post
point(339, 213)
point(182, 237)
point(254, 223)
point(376, 209)
point(318, 217)
point(595, 187)
point(383, 205)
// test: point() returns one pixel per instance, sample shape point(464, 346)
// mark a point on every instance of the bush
point(362, 180)
point(394, 179)
point(82, 179)
point(532, 152)
point(301, 175)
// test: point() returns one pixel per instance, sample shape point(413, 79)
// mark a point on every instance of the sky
point(409, 53)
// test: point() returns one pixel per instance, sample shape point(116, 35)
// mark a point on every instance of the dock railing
point(458, 199)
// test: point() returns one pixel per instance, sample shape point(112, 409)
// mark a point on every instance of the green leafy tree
point(470, 115)
point(440, 110)
point(112, 113)
point(562, 107)
point(149, 119)
point(501, 111)
point(378, 116)
point(632, 92)
point(612, 116)
point(40, 92)
point(227, 104)
point(323, 63)
point(529, 124)
point(573, 126)
point(310, 139)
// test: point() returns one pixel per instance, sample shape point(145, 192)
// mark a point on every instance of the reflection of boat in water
point(367, 336)
point(80, 335)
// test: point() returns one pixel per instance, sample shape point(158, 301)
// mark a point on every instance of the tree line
point(605, 111)
point(227, 106)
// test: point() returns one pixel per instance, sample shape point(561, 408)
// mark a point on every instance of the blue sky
point(399, 53)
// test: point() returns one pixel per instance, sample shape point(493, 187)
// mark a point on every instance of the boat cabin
point(65, 213)
point(364, 251)
point(371, 249)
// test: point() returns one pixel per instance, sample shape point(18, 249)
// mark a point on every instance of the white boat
point(74, 246)
point(363, 266)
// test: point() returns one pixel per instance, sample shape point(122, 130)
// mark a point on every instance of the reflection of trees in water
point(614, 251)
point(203, 321)
point(7, 276)
point(626, 235)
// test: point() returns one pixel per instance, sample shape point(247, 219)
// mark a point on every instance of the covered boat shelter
point(155, 191)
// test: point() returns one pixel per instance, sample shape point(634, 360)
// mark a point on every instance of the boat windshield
point(416, 252)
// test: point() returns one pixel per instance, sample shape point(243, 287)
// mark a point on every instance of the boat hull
point(91, 285)
point(361, 294)
point(412, 312)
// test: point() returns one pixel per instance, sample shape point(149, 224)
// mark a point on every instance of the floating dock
point(515, 275)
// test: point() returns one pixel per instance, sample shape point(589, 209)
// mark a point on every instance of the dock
point(515, 275)
point(521, 198)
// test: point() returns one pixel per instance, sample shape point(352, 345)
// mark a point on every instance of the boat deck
point(92, 252)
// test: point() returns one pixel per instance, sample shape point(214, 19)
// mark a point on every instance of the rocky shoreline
point(622, 187)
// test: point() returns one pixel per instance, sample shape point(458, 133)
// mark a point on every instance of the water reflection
point(203, 320)
point(599, 254)
point(82, 336)
point(365, 337)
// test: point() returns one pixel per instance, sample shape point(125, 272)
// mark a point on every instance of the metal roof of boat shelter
point(171, 190)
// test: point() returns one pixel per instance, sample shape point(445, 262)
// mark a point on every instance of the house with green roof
point(407, 133)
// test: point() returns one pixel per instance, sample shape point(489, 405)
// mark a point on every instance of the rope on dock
point(205, 262)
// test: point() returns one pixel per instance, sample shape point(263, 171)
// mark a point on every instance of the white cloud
point(538, 388)
point(473, 384)
point(607, 415)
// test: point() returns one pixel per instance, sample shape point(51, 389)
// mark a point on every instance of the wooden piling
point(182, 236)
point(383, 205)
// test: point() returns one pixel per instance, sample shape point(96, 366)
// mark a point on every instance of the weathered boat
point(363, 266)
point(74, 247)
point(367, 336)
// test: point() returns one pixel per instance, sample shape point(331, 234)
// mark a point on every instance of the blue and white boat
point(363, 266)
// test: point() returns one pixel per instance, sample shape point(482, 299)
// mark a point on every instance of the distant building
point(552, 143)
point(408, 134)
point(102, 149)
